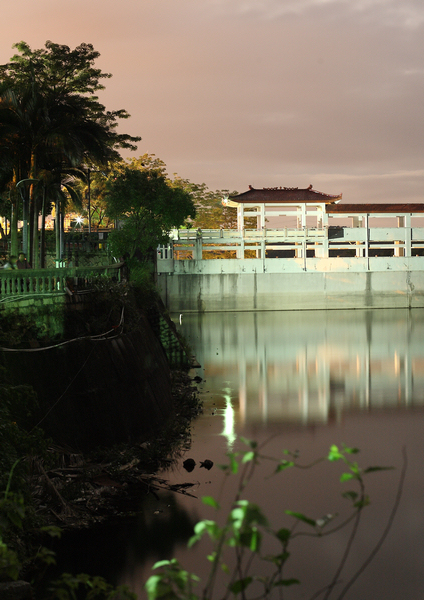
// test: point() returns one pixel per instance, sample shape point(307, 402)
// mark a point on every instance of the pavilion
point(269, 203)
point(312, 208)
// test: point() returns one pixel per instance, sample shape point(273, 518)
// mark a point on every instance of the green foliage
point(245, 530)
point(19, 438)
point(210, 211)
point(59, 72)
point(67, 586)
point(148, 208)
point(172, 583)
point(51, 121)
point(70, 587)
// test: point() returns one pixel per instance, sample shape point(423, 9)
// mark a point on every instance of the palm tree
point(39, 132)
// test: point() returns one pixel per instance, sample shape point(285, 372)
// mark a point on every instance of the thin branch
point(386, 530)
point(349, 544)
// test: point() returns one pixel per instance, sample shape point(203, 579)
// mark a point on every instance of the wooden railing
point(31, 282)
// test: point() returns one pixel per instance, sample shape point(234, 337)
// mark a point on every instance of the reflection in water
point(311, 366)
point(229, 421)
point(298, 381)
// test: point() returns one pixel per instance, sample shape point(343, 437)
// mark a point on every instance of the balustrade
point(31, 282)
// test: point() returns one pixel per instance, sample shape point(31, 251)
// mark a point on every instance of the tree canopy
point(148, 208)
point(52, 121)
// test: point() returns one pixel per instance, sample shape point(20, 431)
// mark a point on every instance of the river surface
point(300, 381)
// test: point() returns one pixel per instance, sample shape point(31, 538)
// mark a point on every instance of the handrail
point(38, 282)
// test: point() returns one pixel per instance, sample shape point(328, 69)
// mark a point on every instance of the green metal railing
point(32, 282)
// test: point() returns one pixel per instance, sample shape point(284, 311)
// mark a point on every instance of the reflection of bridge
point(289, 269)
point(310, 366)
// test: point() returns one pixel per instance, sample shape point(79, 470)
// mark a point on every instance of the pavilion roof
point(284, 195)
point(392, 208)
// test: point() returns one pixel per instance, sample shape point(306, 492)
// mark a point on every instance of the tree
point(210, 212)
point(50, 119)
point(148, 208)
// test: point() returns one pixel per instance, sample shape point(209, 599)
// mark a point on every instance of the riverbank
point(123, 410)
point(81, 489)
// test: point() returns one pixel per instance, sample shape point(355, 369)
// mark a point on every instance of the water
point(301, 381)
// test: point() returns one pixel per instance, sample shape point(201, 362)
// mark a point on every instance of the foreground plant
point(65, 587)
point(246, 527)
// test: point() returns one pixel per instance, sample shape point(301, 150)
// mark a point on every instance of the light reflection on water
point(306, 380)
point(310, 366)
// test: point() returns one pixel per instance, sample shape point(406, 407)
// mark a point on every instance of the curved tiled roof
point(280, 195)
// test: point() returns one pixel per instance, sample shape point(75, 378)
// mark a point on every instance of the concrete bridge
point(292, 269)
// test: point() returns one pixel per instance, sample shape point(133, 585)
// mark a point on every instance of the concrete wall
point(279, 284)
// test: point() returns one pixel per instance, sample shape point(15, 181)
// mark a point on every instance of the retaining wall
point(277, 284)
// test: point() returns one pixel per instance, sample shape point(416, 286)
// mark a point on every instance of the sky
point(267, 93)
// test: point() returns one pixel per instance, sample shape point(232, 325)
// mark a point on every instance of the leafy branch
point(246, 526)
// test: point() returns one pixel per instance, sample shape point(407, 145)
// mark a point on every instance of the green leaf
point(364, 502)
point(210, 501)
point(156, 587)
point(233, 464)
point(251, 539)
point(350, 450)
point(201, 527)
point(301, 517)
point(240, 585)
point(286, 582)
point(161, 563)
point(334, 453)
point(346, 477)
point(350, 495)
point(284, 464)
point(283, 535)
point(248, 456)
point(251, 443)
point(374, 469)
point(278, 559)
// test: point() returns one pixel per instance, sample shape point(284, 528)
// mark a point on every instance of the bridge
point(289, 269)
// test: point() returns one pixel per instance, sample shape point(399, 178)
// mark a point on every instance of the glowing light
point(229, 422)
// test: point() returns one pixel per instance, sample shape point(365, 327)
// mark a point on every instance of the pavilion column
point(262, 223)
point(358, 222)
point(240, 217)
point(407, 224)
point(367, 239)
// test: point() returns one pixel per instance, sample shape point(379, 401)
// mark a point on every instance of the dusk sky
point(261, 92)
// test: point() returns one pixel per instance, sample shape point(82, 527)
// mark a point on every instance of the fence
point(31, 282)
point(296, 243)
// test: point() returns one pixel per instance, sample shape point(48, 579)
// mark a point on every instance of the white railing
point(358, 242)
